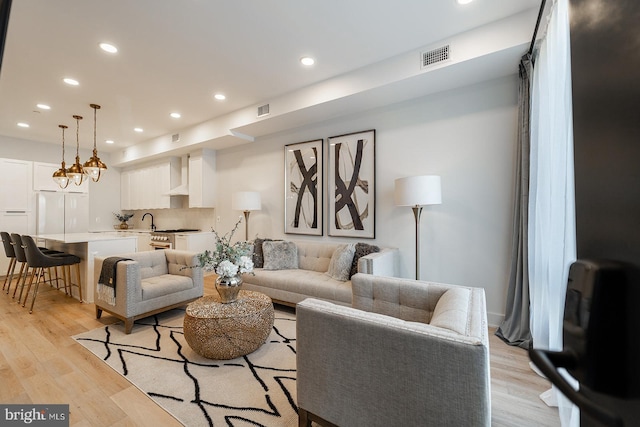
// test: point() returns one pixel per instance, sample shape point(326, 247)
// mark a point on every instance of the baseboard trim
point(494, 319)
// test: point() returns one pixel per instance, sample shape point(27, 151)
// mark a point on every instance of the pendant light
point(94, 166)
point(75, 172)
point(60, 176)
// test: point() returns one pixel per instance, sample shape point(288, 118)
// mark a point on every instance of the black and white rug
point(258, 389)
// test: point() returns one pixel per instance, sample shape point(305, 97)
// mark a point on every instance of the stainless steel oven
point(166, 239)
point(160, 244)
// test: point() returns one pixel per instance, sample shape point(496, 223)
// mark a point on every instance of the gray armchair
point(152, 282)
point(407, 353)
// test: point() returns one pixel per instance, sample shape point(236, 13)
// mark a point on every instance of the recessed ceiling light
point(70, 81)
point(43, 106)
point(464, 1)
point(108, 47)
point(109, 141)
point(176, 115)
point(138, 130)
point(307, 60)
point(23, 125)
point(219, 97)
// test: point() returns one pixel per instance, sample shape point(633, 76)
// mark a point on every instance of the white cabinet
point(43, 179)
point(202, 179)
point(181, 242)
point(16, 201)
point(195, 242)
point(148, 187)
point(15, 185)
point(144, 239)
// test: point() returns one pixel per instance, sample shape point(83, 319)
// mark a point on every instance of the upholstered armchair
point(149, 283)
point(406, 353)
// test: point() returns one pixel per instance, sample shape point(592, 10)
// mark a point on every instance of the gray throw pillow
point(362, 249)
point(280, 255)
point(340, 263)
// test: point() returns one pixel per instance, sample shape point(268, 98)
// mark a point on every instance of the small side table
point(226, 331)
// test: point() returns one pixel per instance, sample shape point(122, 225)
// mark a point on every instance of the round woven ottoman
point(226, 331)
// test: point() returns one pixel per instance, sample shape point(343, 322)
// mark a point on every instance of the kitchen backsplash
point(203, 219)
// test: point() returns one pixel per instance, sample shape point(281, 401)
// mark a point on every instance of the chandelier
point(60, 176)
point(94, 167)
point(76, 172)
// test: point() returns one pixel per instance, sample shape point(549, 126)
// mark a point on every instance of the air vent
point(263, 110)
point(175, 137)
point(434, 56)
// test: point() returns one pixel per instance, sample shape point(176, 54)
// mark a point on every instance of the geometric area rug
point(258, 389)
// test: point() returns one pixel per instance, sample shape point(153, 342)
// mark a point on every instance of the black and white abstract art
point(303, 188)
point(351, 185)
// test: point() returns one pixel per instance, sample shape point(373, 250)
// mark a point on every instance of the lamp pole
point(246, 225)
point(417, 212)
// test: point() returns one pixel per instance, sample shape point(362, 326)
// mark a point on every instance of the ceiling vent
point(434, 56)
point(263, 110)
point(175, 137)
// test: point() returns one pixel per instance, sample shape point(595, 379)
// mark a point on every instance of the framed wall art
point(303, 188)
point(351, 185)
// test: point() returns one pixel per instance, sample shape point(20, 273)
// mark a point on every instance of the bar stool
point(39, 261)
point(21, 257)
point(11, 254)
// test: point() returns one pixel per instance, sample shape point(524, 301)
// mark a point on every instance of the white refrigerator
point(62, 213)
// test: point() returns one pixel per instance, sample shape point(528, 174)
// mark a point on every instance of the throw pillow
point(281, 255)
point(258, 254)
point(340, 263)
point(362, 249)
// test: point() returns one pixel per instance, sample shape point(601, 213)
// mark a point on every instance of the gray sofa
point(152, 282)
point(407, 353)
point(291, 286)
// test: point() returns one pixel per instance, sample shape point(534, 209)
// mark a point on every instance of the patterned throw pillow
point(340, 263)
point(362, 249)
point(280, 255)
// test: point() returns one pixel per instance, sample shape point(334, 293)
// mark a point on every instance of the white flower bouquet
point(227, 260)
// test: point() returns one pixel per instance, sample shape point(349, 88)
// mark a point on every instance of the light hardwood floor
point(41, 363)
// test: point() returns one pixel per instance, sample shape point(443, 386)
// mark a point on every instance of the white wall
point(104, 196)
point(466, 135)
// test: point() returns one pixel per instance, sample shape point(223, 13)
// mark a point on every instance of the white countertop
point(146, 230)
point(84, 237)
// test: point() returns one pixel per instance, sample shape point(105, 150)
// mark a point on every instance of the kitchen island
point(87, 246)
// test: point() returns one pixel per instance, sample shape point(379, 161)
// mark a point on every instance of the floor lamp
point(246, 201)
point(418, 191)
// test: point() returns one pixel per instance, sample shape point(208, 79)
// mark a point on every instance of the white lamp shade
point(246, 201)
point(418, 191)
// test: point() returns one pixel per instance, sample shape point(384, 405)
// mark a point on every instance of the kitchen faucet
point(153, 226)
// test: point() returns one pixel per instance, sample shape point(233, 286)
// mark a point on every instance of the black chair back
point(17, 247)
point(7, 242)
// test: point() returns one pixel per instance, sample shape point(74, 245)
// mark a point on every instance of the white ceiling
point(175, 54)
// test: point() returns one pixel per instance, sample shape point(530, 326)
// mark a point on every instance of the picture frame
point(304, 180)
point(351, 185)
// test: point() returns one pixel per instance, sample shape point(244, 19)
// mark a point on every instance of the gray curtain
point(515, 330)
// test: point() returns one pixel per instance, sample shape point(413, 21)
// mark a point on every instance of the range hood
point(182, 189)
